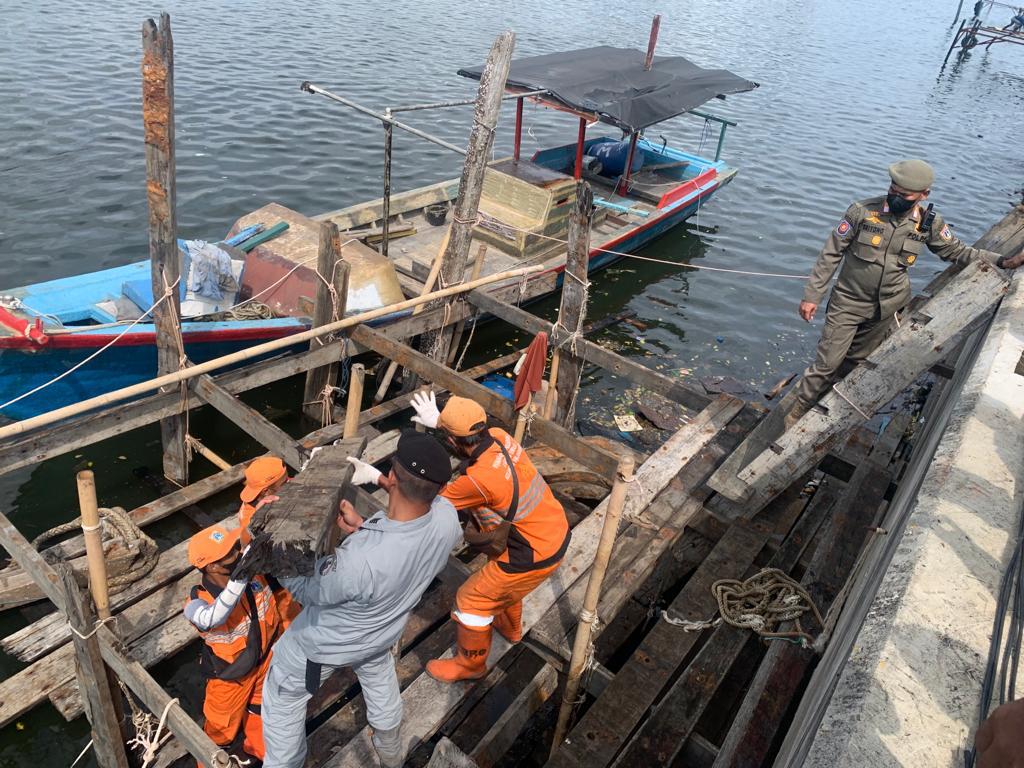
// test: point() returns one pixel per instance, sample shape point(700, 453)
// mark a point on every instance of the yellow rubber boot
point(470, 660)
point(509, 622)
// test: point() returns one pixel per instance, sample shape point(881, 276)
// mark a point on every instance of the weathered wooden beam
point(913, 348)
point(252, 423)
point(573, 306)
point(497, 740)
point(594, 353)
point(107, 741)
point(493, 403)
point(131, 672)
point(331, 298)
point(471, 184)
point(158, 123)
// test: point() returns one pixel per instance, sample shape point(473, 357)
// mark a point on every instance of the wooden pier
point(664, 682)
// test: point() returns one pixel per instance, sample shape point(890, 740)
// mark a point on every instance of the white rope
point(851, 403)
point(81, 754)
point(93, 356)
point(95, 629)
point(147, 739)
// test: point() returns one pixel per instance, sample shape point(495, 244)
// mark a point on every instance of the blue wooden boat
point(642, 190)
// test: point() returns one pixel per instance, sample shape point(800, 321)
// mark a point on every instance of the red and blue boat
point(78, 337)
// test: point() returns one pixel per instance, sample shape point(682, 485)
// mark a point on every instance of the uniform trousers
point(847, 339)
point(285, 696)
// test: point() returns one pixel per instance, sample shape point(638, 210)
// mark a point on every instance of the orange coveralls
point(235, 661)
point(536, 543)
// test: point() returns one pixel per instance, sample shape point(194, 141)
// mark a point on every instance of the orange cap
point(211, 544)
point(462, 417)
point(260, 475)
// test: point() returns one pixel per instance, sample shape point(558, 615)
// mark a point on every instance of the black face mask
point(898, 204)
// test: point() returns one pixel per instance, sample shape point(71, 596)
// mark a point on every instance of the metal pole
point(721, 141)
point(519, 129)
point(463, 102)
point(952, 45)
point(310, 88)
point(588, 614)
point(579, 148)
point(386, 208)
point(652, 41)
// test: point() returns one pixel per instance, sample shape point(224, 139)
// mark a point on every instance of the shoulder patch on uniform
point(946, 234)
point(844, 228)
point(328, 564)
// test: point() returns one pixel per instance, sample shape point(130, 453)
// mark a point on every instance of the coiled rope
point(131, 554)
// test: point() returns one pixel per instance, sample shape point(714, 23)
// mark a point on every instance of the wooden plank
point(663, 520)
point(131, 672)
point(92, 676)
point(429, 702)
point(496, 742)
point(911, 349)
point(165, 261)
point(252, 423)
point(593, 353)
point(782, 672)
point(493, 403)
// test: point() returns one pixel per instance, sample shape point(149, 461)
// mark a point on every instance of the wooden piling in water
point(158, 123)
point(331, 298)
point(485, 117)
point(572, 310)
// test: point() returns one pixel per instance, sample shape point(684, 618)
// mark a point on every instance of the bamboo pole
point(478, 265)
point(588, 614)
point(142, 388)
point(550, 398)
point(428, 286)
point(485, 118)
point(355, 400)
point(158, 124)
point(523, 418)
point(93, 542)
point(207, 454)
point(331, 297)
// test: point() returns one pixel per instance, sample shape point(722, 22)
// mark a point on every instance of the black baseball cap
point(421, 455)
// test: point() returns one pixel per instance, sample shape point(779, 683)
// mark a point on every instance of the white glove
point(364, 473)
point(425, 404)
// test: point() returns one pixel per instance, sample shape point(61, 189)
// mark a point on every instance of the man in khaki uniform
point(877, 241)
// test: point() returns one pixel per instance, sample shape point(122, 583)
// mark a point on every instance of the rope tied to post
point(761, 603)
point(129, 552)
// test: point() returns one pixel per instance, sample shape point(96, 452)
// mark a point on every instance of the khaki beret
point(912, 175)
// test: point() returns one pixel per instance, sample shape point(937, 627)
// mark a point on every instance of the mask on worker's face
point(899, 205)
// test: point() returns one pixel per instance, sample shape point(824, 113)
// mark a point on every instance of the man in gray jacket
point(356, 604)
point(874, 247)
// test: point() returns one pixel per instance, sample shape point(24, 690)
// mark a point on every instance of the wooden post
point(652, 41)
point(93, 542)
point(623, 186)
point(588, 614)
point(573, 308)
point(355, 400)
point(485, 118)
point(107, 741)
point(523, 418)
point(329, 308)
point(158, 123)
point(478, 265)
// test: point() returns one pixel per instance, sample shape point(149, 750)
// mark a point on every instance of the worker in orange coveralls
point(511, 515)
point(239, 621)
point(263, 479)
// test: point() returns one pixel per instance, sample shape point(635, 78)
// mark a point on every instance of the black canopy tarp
point(611, 83)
